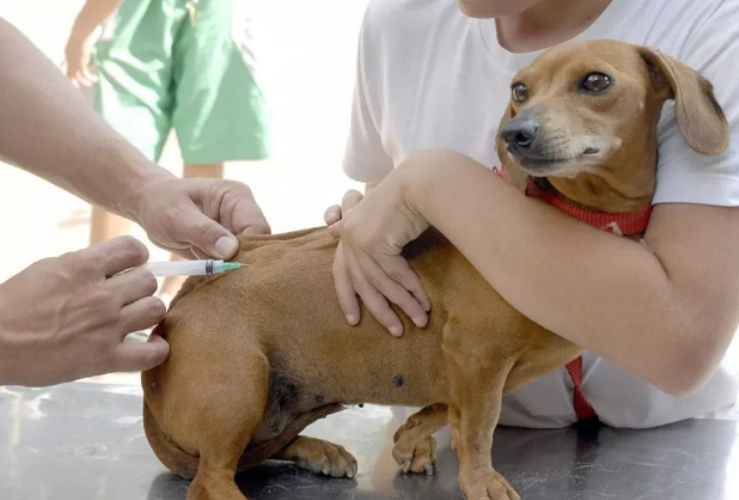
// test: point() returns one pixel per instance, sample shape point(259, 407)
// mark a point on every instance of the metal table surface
point(85, 441)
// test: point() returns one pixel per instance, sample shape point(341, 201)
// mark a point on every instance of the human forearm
point(92, 14)
point(646, 310)
point(42, 115)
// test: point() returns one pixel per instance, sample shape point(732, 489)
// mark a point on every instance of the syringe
point(191, 267)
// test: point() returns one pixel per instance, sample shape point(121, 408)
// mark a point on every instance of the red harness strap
point(583, 410)
point(625, 224)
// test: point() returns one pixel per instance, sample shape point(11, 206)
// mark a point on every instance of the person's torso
point(437, 79)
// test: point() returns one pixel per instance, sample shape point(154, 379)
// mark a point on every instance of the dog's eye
point(596, 83)
point(519, 93)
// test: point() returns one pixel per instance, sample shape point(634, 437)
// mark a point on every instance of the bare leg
point(105, 225)
point(172, 284)
point(415, 447)
point(212, 171)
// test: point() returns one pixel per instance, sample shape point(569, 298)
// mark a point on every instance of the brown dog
point(260, 353)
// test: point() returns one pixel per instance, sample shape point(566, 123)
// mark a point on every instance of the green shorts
point(158, 70)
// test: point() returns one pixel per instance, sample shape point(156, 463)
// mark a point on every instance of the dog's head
point(584, 115)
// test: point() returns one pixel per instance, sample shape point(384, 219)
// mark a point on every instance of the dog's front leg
point(476, 383)
point(415, 447)
point(320, 457)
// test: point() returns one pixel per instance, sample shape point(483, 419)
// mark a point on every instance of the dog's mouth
point(538, 165)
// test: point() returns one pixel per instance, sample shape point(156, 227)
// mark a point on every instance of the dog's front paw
point(416, 456)
point(322, 457)
point(492, 486)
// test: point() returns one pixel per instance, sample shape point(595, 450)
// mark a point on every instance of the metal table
point(85, 441)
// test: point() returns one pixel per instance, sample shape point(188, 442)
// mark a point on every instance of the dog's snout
point(520, 132)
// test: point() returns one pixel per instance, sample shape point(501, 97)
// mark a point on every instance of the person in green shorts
point(158, 65)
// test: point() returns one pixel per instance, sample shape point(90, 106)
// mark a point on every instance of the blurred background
point(307, 54)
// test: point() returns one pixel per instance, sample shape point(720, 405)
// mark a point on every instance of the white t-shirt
point(430, 77)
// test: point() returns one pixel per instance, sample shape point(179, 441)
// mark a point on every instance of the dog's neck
point(631, 223)
point(617, 196)
point(605, 193)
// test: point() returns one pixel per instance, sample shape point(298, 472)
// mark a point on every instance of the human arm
point(48, 129)
point(665, 310)
point(665, 314)
point(334, 213)
point(79, 45)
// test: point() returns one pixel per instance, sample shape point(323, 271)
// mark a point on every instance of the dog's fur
point(260, 353)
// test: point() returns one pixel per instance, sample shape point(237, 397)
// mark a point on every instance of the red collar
point(625, 224)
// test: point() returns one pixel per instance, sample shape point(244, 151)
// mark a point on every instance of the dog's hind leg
point(320, 457)
point(476, 385)
point(224, 422)
point(415, 447)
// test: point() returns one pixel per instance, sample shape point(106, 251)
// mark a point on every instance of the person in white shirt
point(433, 82)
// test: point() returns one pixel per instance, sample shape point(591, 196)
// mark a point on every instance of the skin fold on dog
point(260, 353)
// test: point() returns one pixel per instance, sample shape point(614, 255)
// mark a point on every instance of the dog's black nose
point(520, 132)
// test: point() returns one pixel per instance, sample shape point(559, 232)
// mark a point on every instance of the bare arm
point(48, 129)
point(665, 311)
point(92, 14)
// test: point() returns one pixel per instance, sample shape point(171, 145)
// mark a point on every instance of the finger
point(207, 235)
point(400, 271)
point(375, 301)
point(136, 357)
point(385, 284)
point(197, 253)
point(332, 215)
point(242, 211)
point(89, 76)
point(81, 77)
point(142, 314)
point(345, 288)
point(186, 253)
point(336, 229)
point(351, 198)
point(132, 286)
point(118, 254)
point(82, 81)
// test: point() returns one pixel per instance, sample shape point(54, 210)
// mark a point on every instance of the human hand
point(65, 318)
point(368, 261)
point(198, 216)
point(334, 213)
point(342, 277)
point(78, 53)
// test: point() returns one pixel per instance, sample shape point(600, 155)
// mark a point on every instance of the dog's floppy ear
point(699, 116)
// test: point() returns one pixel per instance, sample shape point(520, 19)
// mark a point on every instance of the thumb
point(332, 215)
point(209, 236)
point(134, 357)
point(336, 228)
